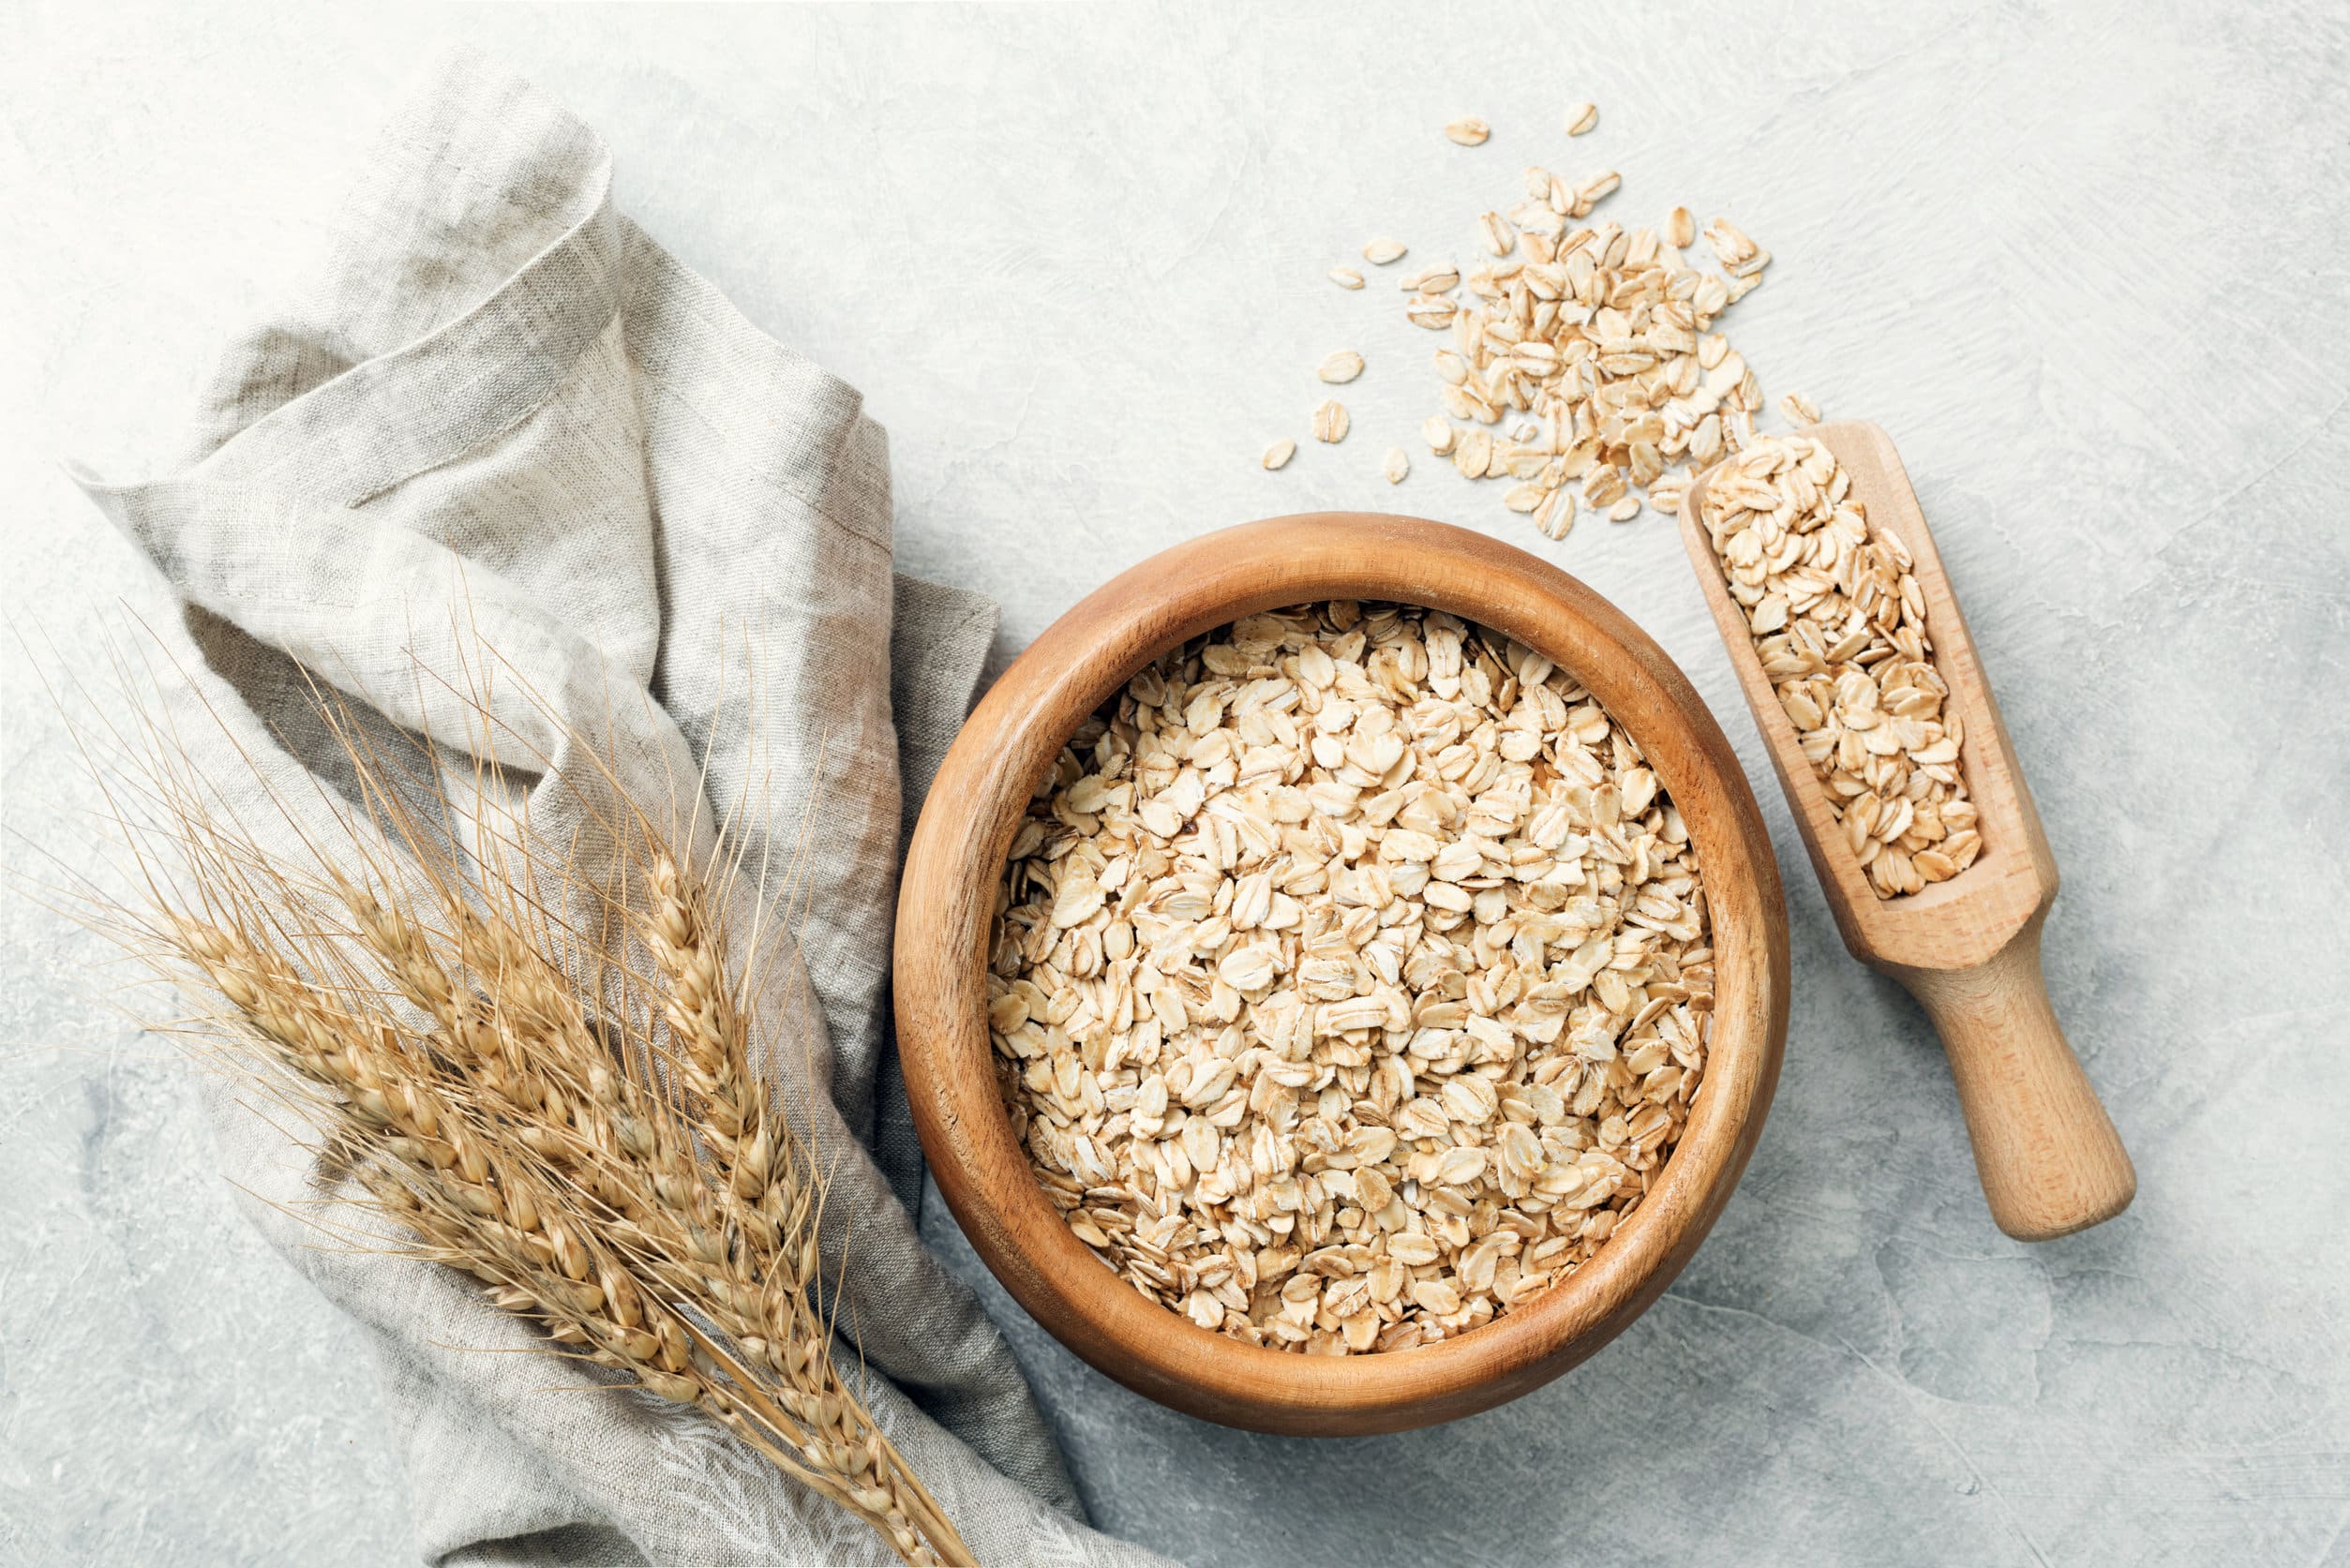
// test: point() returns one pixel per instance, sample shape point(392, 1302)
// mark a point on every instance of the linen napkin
point(504, 418)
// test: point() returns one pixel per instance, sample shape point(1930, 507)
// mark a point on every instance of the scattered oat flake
point(1346, 277)
point(1432, 311)
point(1280, 453)
point(1396, 465)
point(1556, 515)
point(1580, 360)
point(1731, 244)
point(1584, 366)
point(1473, 454)
point(1340, 367)
point(1799, 408)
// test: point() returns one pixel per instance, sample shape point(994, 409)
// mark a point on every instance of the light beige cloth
point(505, 413)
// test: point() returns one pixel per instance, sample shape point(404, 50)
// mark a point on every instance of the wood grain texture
point(1968, 948)
point(947, 902)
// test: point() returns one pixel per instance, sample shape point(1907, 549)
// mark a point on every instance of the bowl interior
point(957, 858)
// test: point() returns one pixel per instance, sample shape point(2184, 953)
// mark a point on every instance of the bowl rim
point(947, 905)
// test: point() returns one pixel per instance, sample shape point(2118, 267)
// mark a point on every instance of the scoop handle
point(2049, 1159)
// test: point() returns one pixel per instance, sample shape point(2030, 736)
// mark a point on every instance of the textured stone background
point(2086, 263)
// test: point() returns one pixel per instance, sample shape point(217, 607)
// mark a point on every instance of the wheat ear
point(585, 1132)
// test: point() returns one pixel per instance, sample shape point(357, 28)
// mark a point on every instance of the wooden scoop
point(1968, 948)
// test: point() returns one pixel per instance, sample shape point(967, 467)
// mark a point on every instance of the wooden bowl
point(947, 900)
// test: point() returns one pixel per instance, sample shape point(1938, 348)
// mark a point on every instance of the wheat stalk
point(579, 1124)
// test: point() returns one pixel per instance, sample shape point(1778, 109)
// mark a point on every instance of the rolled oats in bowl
point(1350, 978)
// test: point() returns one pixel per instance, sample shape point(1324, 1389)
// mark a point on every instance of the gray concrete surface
point(2085, 261)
